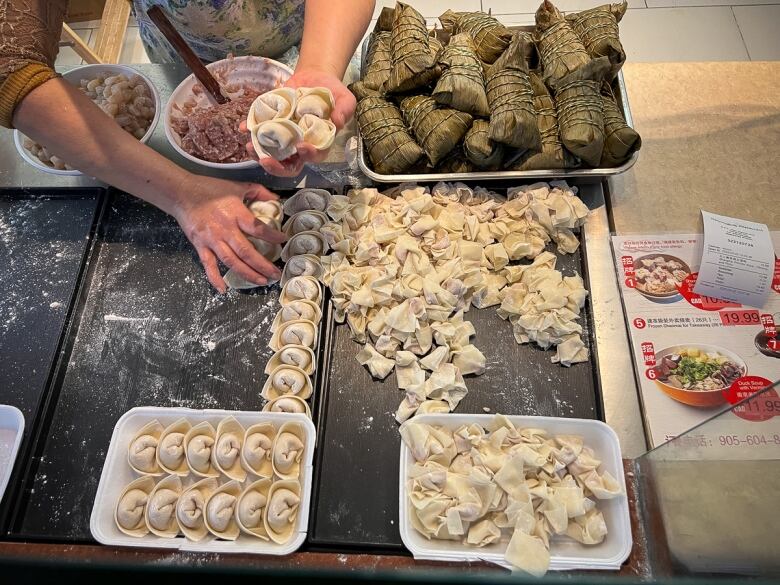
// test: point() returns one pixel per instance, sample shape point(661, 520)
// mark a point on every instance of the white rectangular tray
point(11, 431)
point(565, 553)
point(117, 474)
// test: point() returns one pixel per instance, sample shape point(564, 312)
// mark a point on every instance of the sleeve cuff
point(17, 85)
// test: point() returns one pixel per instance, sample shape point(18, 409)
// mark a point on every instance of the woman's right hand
point(213, 215)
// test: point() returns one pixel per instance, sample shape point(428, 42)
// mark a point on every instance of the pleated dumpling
point(257, 448)
point(287, 380)
point(277, 138)
point(191, 508)
point(269, 250)
point(160, 511)
point(276, 104)
point(298, 332)
point(130, 511)
point(226, 454)
point(295, 310)
point(299, 356)
point(314, 101)
point(311, 242)
point(304, 199)
point(220, 517)
point(302, 265)
point(301, 287)
point(198, 444)
point(288, 451)
point(251, 508)
point(289, 403)
point(267, 211)
point(142, 452)
point(281, 512)
point(305, 221)
point(318, 132)
point(170, 450)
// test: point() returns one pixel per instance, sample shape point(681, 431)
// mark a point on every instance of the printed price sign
point(648, 353)
point(759, 409)
point(748, 317)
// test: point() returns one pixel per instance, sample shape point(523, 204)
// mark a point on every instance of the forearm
point(62, 118)
point(331, 33)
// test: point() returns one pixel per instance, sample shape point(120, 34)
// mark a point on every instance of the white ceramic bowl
point(259, 73)
point(90, 72)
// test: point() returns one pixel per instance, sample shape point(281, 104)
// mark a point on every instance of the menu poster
point(694, 355)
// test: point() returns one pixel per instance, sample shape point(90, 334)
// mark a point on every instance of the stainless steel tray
point(585, 173)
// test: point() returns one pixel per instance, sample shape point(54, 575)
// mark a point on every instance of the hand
point(215, 219)
point(342, 112)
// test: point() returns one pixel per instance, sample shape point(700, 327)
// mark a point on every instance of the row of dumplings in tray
point(263, 508)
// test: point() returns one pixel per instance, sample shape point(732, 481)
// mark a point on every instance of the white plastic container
point(74, 77)
point(117, 474)
point(565, 553)
point(11, 431)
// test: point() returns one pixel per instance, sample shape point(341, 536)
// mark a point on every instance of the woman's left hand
point(342, 112)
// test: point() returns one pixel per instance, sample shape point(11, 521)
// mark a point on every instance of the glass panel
point(710, 496)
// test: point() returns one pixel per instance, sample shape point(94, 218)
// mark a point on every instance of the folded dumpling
point(277, 138)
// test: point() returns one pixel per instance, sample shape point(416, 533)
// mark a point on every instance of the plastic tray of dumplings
point(117, 474)
point(565, 553)
point(584, 173)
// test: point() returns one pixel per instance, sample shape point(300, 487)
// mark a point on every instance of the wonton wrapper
point(318, 132)
point(288, 450)
point(251, 506)
point(257, 448)
point(287, 380)
point(314, 101)
point(220, 517)
point(171, 456)
point(288, 403)
point(293, 355)
point(278, 103)
point(276, 138)
point(191, 506)
point(300, 309)
point(142, 450)
point(298, 332)
point(130, 512)
point(305, 199)
point(160, 512)
point(226, 453)
point(281, 513)
point(301, 287)
point(198, 444)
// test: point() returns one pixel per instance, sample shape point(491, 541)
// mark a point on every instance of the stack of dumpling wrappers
point(491, 98)
point(481, 486)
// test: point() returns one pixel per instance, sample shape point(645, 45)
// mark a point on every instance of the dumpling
point(277, 138)
point(272, 252)
point(257, 448)
point(190, 509)
point(301, 287)
point(287, 380)
point(316, 199)
point(142, 452)
point(281, 512)
point(288, 451)
point(170, 450)
point(291, 404)
point(295, 310)
point(318, 132)
point(298, 332)
point(305, 221)
point(198, 443)
point(220, 511)
point(275, 104)
point(314, 101)
point(309, 242)
point(130, 511)
point(267, 211)
point(251, 508)
point(161, 509)
point(302, 265)
point(227, 448)
point(299, 356)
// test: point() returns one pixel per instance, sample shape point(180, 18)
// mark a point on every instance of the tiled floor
point(652, 30)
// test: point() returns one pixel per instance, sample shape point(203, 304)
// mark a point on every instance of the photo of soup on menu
point(695, 355)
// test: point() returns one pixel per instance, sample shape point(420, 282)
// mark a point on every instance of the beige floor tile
point(682, 34)
point(67, 56)
point(133, 49)
point(432, 8)
point(530, 6)
point(759, 26)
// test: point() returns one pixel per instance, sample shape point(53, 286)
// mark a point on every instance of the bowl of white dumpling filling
point(123, 93)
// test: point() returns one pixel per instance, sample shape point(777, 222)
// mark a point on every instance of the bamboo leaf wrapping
point(597, 28)
point(620, 140)
point(560, 49)
point(462, 82)
point(480, 149)
point(390, 147)
point(413, 62)
point(437, 130)
point(491, 38)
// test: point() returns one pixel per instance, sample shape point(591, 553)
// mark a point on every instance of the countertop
point(710, 139)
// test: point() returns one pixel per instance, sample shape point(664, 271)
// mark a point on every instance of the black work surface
point(44, 238)
point(356, 480)
point(150, 331)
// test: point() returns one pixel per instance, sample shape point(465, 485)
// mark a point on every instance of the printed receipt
point(737, 262)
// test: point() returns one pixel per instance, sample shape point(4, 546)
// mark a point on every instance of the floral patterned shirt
point(215, 28)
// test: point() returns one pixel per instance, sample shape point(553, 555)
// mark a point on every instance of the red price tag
point(768, 321)
point(759, 409)
point(699, 301)
point(730, 318)
point(648, 353)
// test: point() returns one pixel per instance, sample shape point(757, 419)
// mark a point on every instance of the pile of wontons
point(404, 269)
point(518, 487)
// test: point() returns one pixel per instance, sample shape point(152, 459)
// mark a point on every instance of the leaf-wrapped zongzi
point(480, 149)
point(377, 67)
point(509, 93)
point(490, 37)
point(620, 140)
point(560, 49)
point(390, 146)
point(581, 112)
point(414, 64)
point(462, 82)
point(437, 130)
point(598, 31)
point(385, 20)
point(553, 154)
point(455, 162)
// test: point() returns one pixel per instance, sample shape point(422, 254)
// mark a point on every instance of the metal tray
point(594, 174)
